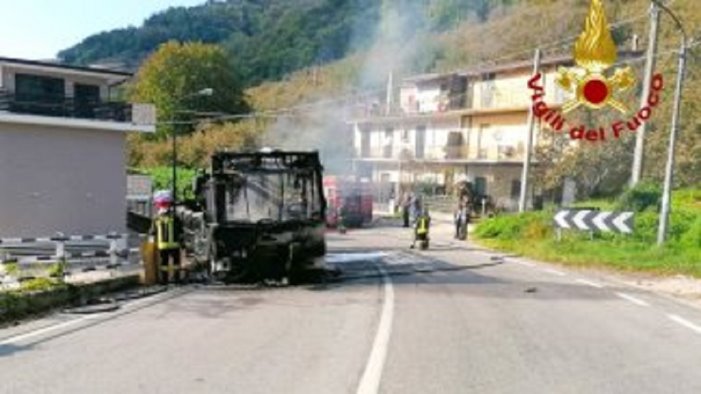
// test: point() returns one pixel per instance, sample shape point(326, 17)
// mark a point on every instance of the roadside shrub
point(57, 270)
point(39, 284)
point(640, 198)
point(681, 221)
point(692, 237)
point(645, 227)
point(531, 225)
point(537, 229)
point(12, 269)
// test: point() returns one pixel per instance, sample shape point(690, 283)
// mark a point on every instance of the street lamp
point(676, 115)
point(200, 93)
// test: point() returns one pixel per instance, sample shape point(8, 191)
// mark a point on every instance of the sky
point(38, 29)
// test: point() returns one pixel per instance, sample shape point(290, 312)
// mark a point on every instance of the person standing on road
point(406, 203)
point(164, 230)
point(423, 223)
point(462, 219)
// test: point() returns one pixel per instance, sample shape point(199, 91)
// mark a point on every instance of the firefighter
point(164, 230)
point(462, 219)
point(421, 229)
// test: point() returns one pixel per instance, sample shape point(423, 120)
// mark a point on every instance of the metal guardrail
point(88, 252)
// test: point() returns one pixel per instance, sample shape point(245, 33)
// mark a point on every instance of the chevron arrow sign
point(587, 220)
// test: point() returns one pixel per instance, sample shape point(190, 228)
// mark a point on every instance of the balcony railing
point(66, 107)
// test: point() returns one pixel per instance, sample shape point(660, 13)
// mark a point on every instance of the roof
point(61, 66)
point(428, 77)
point(518, 65)
point(560, 60)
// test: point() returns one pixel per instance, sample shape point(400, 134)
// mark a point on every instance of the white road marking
point(370, 381)
point(524, 263)
point(554, 272)
point(685, 323)
point(126, 308)
point(590, 283)
point(31, 334)
point(632, 299)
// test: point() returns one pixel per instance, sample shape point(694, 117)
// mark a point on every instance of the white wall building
point(62, 149)
point(467, 125)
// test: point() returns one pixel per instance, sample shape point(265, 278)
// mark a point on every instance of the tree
point(172, 76)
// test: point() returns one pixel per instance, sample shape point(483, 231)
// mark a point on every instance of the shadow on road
point(9, 350)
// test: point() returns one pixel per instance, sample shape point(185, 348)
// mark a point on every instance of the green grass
point(623, 256)
point(532, 235)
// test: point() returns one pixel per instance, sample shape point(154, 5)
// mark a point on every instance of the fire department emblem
point(594, 55)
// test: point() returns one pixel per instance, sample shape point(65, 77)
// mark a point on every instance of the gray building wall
point(58, 179)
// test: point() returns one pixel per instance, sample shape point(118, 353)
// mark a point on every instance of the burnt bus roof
point(265, 161)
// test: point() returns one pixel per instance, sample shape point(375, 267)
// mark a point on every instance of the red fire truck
point(354, 195)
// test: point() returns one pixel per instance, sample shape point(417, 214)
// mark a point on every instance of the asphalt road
point(454, 319)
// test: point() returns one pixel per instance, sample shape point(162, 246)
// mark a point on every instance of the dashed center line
point(590, 283)
point(632, 299)
point(685, 323)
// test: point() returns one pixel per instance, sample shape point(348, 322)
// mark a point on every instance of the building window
point(515, 189)
point(454, 145)
point(488, 90)
point(481, 146)
point(39, 95)
point(405, 135)
point(481, 186)
point(86, 99)
point(420, 146)
point(388, 143)
point(364, 143)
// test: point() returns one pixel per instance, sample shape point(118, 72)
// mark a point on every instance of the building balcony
point(65, 107)
point(493, 154)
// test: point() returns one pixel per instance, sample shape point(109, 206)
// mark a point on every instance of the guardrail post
point(113, 253)
point(60, 253)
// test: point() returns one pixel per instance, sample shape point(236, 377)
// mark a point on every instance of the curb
point(15, 305)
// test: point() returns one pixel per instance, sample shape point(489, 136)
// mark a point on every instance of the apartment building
point(62, 149)
point(469, 125)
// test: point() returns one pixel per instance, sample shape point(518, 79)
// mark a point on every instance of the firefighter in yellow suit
point(423, 223)
point(164, 230)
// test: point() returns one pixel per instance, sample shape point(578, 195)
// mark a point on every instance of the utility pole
point(676, 119)
point(529, 144)
point(638, 157)
point(390, 89)
point(669, 169)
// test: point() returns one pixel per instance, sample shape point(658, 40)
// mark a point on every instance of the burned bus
point(257, 216)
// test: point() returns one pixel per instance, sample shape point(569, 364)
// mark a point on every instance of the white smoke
point(327, 127)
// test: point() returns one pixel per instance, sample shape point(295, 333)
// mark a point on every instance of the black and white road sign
point(587, 220)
